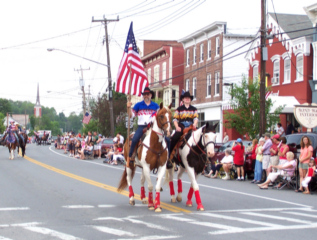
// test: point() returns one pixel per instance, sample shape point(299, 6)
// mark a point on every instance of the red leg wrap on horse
point(142, 193)
point(172, 188)
point(150, 199)
point(190, 193)
point(157, 200)
point(198, 200)
point(131, 193)
point(180, 186)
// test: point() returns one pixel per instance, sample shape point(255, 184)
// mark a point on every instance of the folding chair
point(289, 181)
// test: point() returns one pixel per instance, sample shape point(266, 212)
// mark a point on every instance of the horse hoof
point(132, 202)
point(151, 208)
point(144, 201)
point(173, 200)
point(200, 207)
point(158, 209)
point(189, 203)
point(179, 198)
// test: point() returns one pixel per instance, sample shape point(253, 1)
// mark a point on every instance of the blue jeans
point(136, 138)
point(258, 170)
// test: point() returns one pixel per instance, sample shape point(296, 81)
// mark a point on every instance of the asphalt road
point(48, 195)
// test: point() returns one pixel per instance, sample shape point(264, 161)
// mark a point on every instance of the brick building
point(213, 58)
point(290, 62)
point(163, 63)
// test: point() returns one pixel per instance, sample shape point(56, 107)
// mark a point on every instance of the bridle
point(204, 144)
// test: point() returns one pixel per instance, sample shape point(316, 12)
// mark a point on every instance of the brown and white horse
point(192, 158)
point(152, 153)
point(11, 143)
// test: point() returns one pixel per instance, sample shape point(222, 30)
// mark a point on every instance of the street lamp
point(56, 49)
point(109, 83)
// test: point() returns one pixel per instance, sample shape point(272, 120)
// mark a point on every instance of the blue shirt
point(144, 112)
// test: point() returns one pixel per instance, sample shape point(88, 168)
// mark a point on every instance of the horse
point(11, 143)
point(23, 138)
point(192, 156)
point(152, 154)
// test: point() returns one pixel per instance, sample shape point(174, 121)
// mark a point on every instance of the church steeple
point(37, 107)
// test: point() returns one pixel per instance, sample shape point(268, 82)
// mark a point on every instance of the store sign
point(306, 115)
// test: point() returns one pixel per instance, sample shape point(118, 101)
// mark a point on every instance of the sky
point(29, 28)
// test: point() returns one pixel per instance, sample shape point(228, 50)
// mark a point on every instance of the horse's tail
point(123, 182)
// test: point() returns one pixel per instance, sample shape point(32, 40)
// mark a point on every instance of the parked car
point(293, 142)
point(107, 143)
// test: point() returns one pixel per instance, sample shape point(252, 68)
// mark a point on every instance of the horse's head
point(209, 138)
point(163, 119)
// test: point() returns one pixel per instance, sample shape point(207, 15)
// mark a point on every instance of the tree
point(2, 127)
point(246, 104)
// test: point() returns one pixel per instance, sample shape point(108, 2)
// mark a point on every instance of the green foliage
point(246, 104)
point(2, 127)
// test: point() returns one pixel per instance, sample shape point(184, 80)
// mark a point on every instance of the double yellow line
point(166, 206)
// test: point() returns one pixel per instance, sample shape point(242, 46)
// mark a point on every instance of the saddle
point(181, 142)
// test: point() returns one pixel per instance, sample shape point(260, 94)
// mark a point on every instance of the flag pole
point(128, 110)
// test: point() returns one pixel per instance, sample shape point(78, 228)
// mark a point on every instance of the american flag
point(181, 103)
point(268, 94)
point(138, 76)
point(86, 118)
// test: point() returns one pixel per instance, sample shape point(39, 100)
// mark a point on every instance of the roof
point(293, 22)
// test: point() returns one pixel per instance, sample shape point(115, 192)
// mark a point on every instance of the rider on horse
point(184, 116)
point(144, 110)
point(14, 130)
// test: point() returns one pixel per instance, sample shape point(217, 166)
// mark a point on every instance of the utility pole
point(82, 84)
point(264, 57)
point(105, 21)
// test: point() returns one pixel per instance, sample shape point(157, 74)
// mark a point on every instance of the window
point(276, 73)
point(149, 77)
point(173, 98)
point(217, 47)
point(201, 52)
point(217, 78)
point(156, 73)
point(209, 49)
point(186, 85)
point(299, 67)
point(255, 73)
point(164, 75)
point(187, 57)
point(194, 87)
point(195, 56)
point(208, 85)
point(287, 70)
point(201, 119)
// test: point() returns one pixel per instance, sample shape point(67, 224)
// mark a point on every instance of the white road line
point(149, 225)
point(52, 233)
point(106, 206)
point(114, 231)
point(78, 206)
point(3, 238)
point(302, 214)
point(108, 218)
point(276, 217)
point(257, 210)
point(30, 224)
point(240, 220)
point(152, 237)
point(175, 217)
point(264, 229)
point(14, 209)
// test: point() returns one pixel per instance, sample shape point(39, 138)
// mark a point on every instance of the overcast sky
point(29, 28)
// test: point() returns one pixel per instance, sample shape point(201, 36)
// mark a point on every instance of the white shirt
point(280, 131)
point(227, 159)
point(225, 139)
point(120, 141)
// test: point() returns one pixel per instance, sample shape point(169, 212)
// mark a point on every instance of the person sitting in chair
point(144, 111)
point(184, 116)
point(287, 168)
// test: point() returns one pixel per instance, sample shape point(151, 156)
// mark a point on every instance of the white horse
point(152, 153)
point(191, 156)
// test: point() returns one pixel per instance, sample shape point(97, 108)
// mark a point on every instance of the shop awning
point(287, 101)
